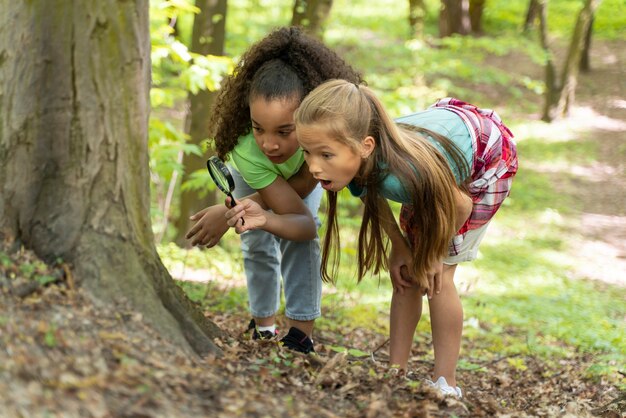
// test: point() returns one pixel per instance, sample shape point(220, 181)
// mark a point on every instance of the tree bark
point(417, 16)
point(476, 8)
point(560, 94)
point(311, 15)
point(585, 60)
point(209, 29)
point(74, 177)
point(534, 10)
point(552, 88)
point(454, 18)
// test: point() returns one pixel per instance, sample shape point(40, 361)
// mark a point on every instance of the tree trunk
point(311, 16)
point(560, 96)
point(552, 88)
point(454, 18)
point(585, 61)
point(209, 29)
point(476, 8)
point(534, 10)
point(417, 16)
point(74, 177)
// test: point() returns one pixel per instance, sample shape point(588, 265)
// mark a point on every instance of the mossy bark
point(74, 180)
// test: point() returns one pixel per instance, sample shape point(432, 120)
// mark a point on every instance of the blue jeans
point(266, 257)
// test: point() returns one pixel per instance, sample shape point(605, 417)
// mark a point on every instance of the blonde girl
point(450, 166)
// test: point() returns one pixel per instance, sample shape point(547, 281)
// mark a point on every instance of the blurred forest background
point(544, 304)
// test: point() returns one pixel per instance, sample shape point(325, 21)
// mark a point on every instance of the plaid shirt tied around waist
point(494, 165)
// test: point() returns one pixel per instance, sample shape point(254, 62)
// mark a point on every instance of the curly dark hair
point(286, 63)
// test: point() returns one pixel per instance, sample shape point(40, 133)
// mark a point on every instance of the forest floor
point(63, 356)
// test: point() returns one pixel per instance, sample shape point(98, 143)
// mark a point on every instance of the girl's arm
point(211, 223)
point(400, 257)
point(210, 226)
point(464, 205)
point(289, 219)
point(389, 224)
point(303, 181)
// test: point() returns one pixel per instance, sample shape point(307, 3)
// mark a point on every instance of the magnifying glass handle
point(233, 204)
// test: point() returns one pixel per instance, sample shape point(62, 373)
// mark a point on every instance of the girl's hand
point(209, 228)
point(254, 215)
point(400, 266)
point(435, 280)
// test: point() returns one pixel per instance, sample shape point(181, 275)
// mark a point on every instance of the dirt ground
point(63, 356)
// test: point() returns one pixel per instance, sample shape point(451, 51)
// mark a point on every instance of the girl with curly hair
point(253, 128)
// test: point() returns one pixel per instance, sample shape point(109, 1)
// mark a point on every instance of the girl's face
point(273, 127)
point(330, 161)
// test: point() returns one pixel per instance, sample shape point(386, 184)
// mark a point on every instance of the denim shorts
point(267, 258)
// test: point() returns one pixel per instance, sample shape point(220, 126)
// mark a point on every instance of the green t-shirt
point(443, 122)
point(256, 169)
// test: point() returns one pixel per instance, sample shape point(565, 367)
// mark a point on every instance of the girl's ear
point(367, 146)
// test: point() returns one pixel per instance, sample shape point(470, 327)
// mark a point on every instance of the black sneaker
point(298, 341)
point(260, 335)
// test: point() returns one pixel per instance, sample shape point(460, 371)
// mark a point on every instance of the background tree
point(311, 15)
point(417, 16)
point(74, 180)
point(476, 8)
point(532, 13)
point(560, 90)
point(454, 18)
point(209, 29)
point(585, 62)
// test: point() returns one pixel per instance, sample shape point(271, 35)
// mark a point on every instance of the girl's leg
point(302, 280)
point(261, 261)
point(406, 310)
point(261, 265)
point(300, 265)
point(446, 317)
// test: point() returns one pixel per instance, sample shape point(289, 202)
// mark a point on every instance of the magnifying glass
point(222, 178)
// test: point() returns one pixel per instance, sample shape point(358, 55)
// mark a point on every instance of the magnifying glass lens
point(220, 174)
point(222, 178)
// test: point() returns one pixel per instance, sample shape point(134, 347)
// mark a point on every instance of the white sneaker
point(444, 388)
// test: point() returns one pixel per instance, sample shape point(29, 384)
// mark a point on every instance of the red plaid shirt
point(495, 159)
point(494, 165)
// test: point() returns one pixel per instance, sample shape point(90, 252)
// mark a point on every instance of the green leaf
point(199, 181)
point(45, 279)
point(338, 349)
point(49, 337)
point(357, 353)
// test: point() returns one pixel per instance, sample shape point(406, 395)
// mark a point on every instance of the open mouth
point(326, 184)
